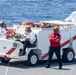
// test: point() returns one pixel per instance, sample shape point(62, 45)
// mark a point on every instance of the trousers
point(51, 52)
point(26, 44)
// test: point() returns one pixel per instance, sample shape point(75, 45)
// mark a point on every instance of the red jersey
point(54, 39)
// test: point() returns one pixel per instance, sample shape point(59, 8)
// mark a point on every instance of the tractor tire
point(4, 60)
point(68, 55)
point(32, 59)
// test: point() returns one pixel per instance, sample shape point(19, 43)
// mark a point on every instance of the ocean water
point(17, 11)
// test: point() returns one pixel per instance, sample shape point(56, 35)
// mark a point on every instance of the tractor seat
point(31, 46)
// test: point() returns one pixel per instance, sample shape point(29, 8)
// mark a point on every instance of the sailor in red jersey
point(54, 39)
